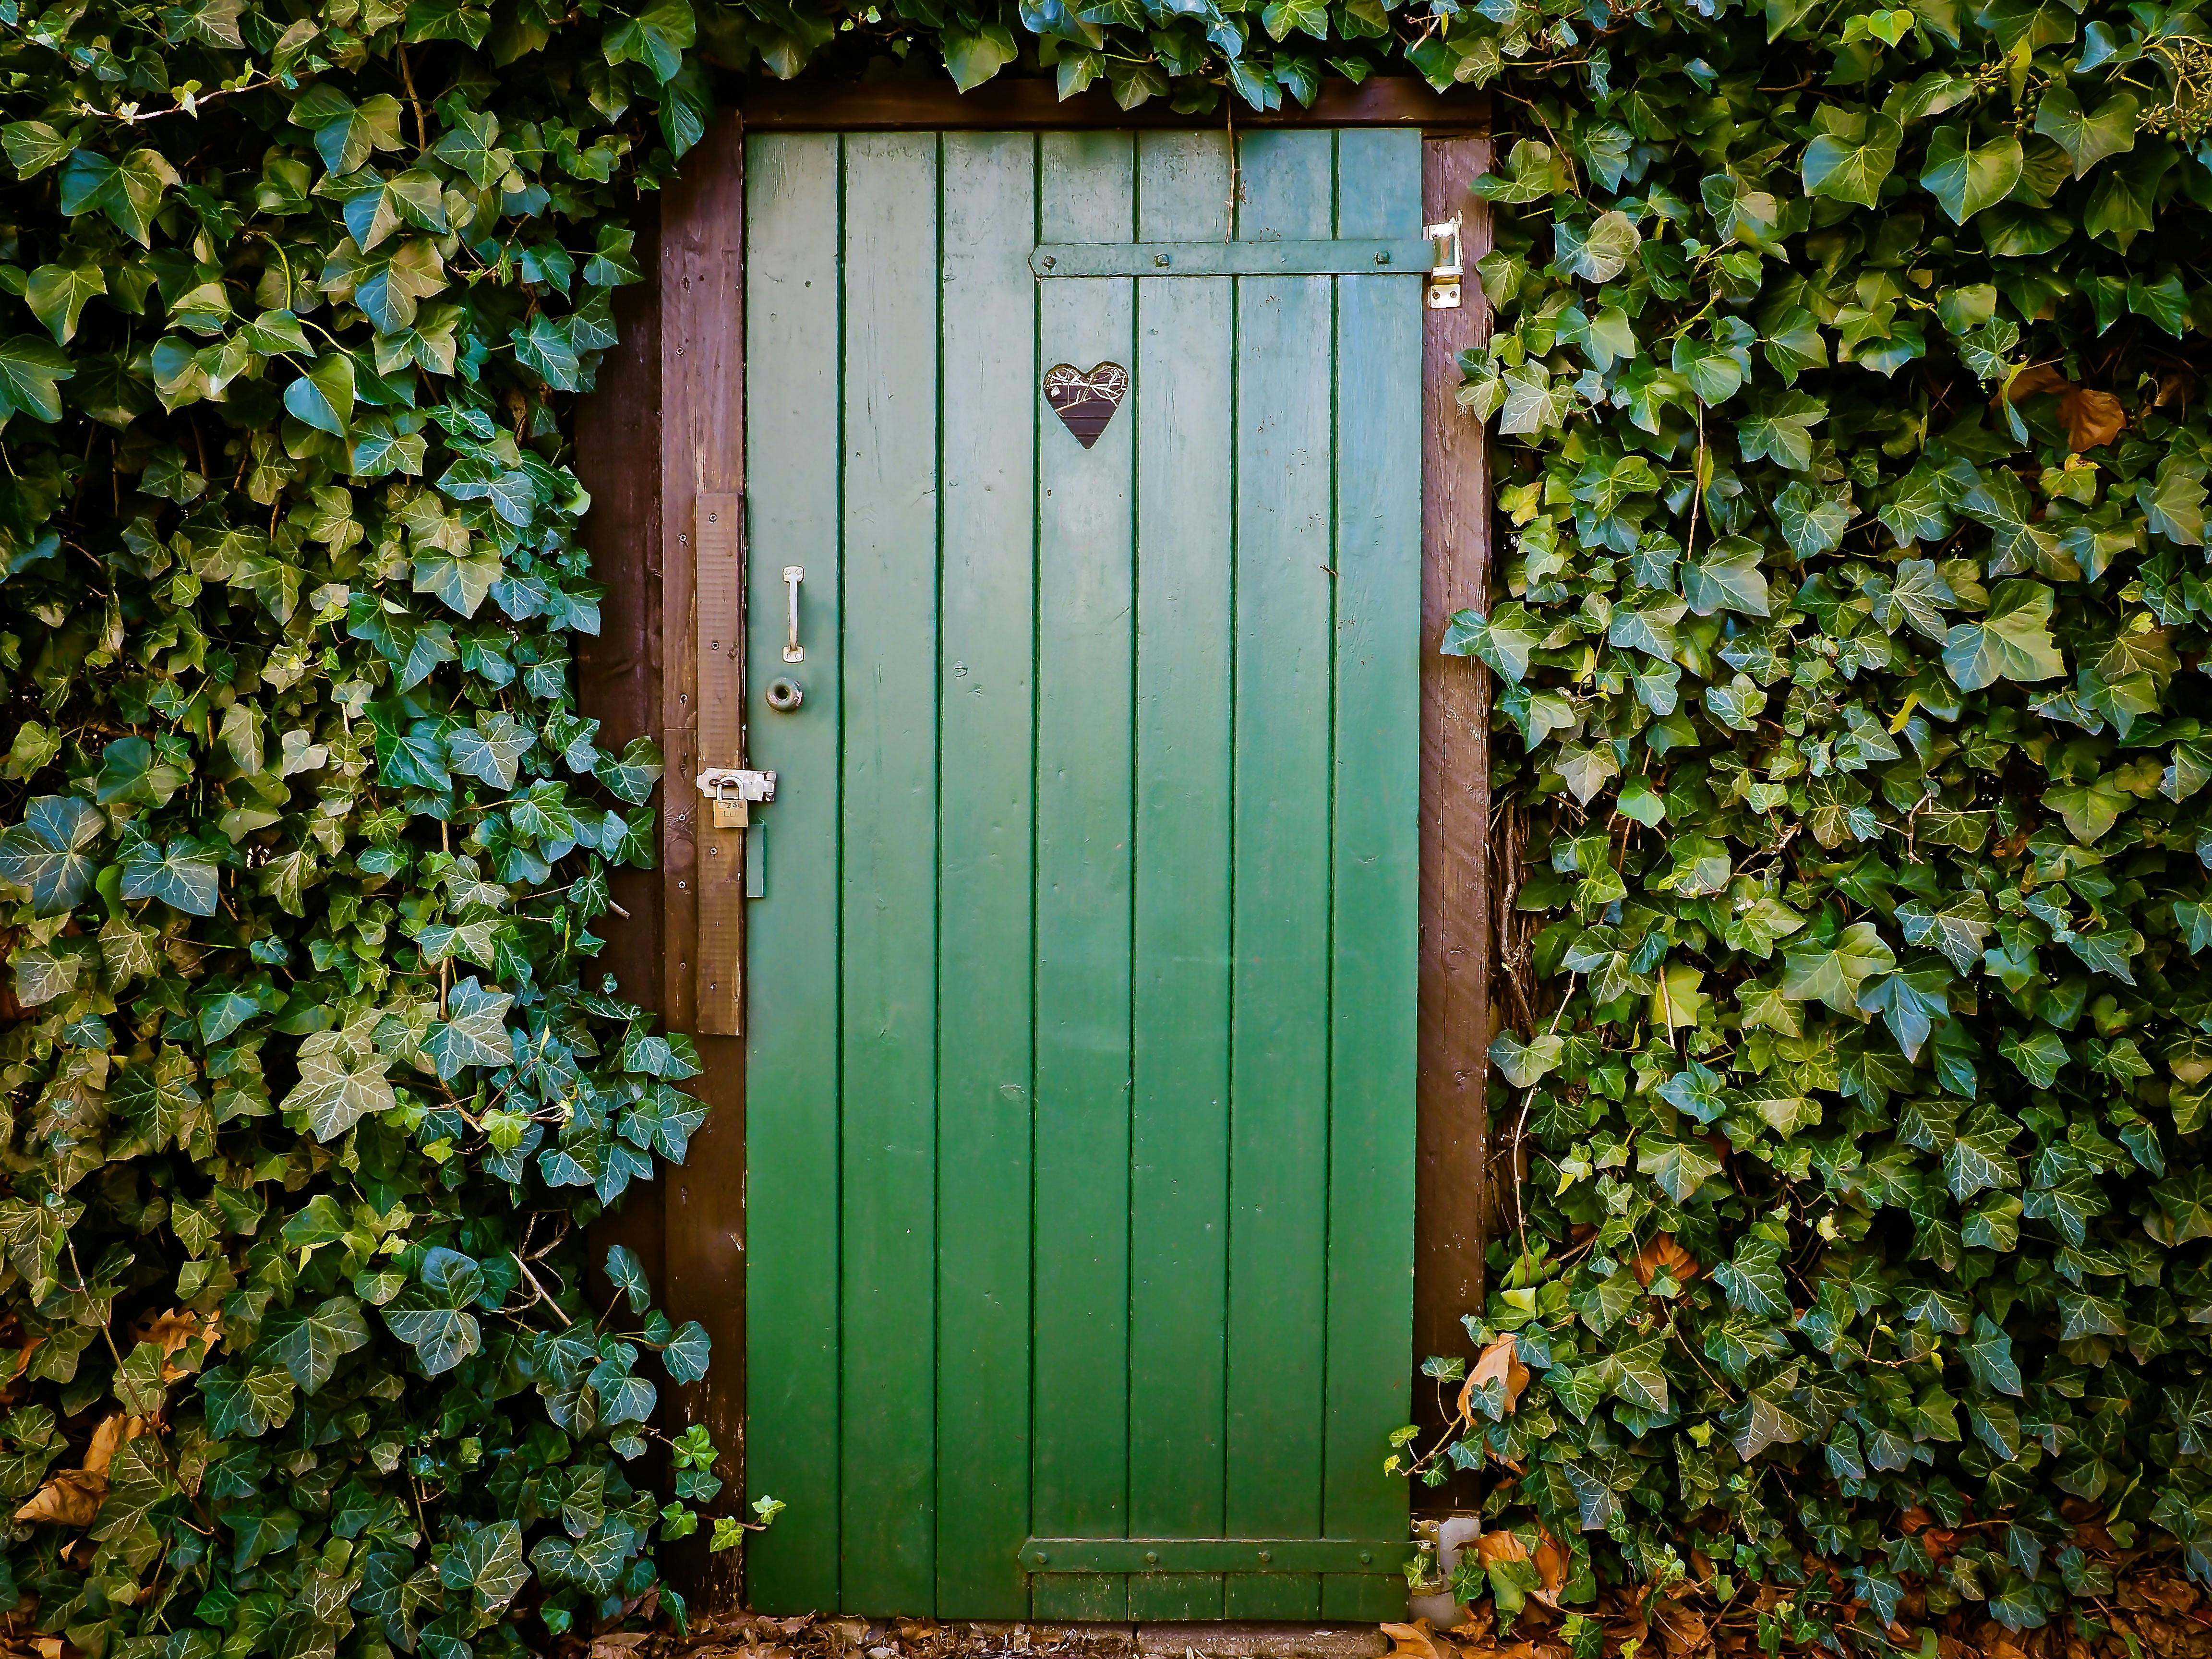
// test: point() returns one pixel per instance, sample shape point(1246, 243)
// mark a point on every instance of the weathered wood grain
point(1454, 1000)
point(703, 450)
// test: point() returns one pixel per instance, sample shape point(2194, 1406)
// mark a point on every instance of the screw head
point(1383, 258)
point(1040, 1556)
point(1152, 1557)
point(1366, 1556)
point(1049, 262)
point(1266, 1556)
point(1159, 259)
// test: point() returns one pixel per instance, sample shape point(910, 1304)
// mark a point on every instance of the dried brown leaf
point(1417, 1640)
point(1499, 1363)
point(2091, 417)
point(1663, 1254)
point(70, 1498)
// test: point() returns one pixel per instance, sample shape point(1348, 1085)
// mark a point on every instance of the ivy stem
point(1521, 1125)
point(538, 1290)
point(422, 128)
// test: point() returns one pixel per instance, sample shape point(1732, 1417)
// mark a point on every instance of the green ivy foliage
point(1850, 658)
point(1852, 478)
point(313, 1086)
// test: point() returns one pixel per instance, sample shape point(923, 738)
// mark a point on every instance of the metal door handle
point(793, 651)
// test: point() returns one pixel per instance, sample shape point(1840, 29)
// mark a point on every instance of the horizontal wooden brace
point(1408, 256)
point(1371, 1555)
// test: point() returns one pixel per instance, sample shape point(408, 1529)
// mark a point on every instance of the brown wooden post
point(1454, 965)
point(702, 462)
point(618, 673)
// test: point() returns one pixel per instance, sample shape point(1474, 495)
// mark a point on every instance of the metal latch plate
point(1444, 275)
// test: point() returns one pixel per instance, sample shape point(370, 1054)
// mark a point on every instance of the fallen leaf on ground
point(1416, 1638)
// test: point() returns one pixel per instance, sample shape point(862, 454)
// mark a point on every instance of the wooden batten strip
point(720, 553)
point(1007, 103)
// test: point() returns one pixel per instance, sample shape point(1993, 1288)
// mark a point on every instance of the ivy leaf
point(1600, 253)
point(46, 854)
point(1956, 928)
point(491, 751)
point(2087, 139)
point(473, 1032)
point(1832, 971)
point(347, 134)
point(687, 1354)
point(488, 1563)
point(186, 876)
point(1849, 162)
point(1781, 427)
point(2011, 642)
point(1813, 521)
point(1637, 1375)
point(1679, 1167)
point(57, 295)
point(245, 1400)
point(1916, 595)
point(34, 146)
point(308, 1343)
point(627, 1274)
point(1966, 178)
point(1713, 372)
point(1504, 640)
point(31, 369)
point(2174, 501)
point(1753, 1279)
point(1523, 1063)
point(1911, 1002)
point(441, 1334)
point(973, 57)
point(1977, 1158)
point(129, 192)
point(324, 395)
point(1532, 404)
point(341, 1081)
point(1725, 577)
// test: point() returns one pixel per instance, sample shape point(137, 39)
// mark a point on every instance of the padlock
point(729, 812)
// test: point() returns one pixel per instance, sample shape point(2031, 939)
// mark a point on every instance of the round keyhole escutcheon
point(785, 694)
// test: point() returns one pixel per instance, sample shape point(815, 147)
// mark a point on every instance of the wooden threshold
point(1015, 105)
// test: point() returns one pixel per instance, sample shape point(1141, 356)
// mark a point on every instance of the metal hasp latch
point(731, 790)
point(1444, 275)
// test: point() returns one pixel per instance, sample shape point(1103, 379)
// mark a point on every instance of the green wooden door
point(1081, 973)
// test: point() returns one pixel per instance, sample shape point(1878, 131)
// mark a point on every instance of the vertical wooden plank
point(1450, 1202)
point(890, 879)
point(1179, 1170)
point(1084, 600)
point(983, 896)
point(791, 1048)
point(619, 671)
point(1280, 1062)
point(1375, 885)
point(702, 452)
point(617, 459)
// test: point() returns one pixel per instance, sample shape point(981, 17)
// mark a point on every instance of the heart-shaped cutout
point(1085, 403)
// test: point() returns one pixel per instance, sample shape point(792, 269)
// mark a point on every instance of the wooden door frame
point(660, 447)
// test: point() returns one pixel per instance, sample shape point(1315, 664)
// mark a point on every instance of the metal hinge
point(1444, 275)
point(730, 789)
